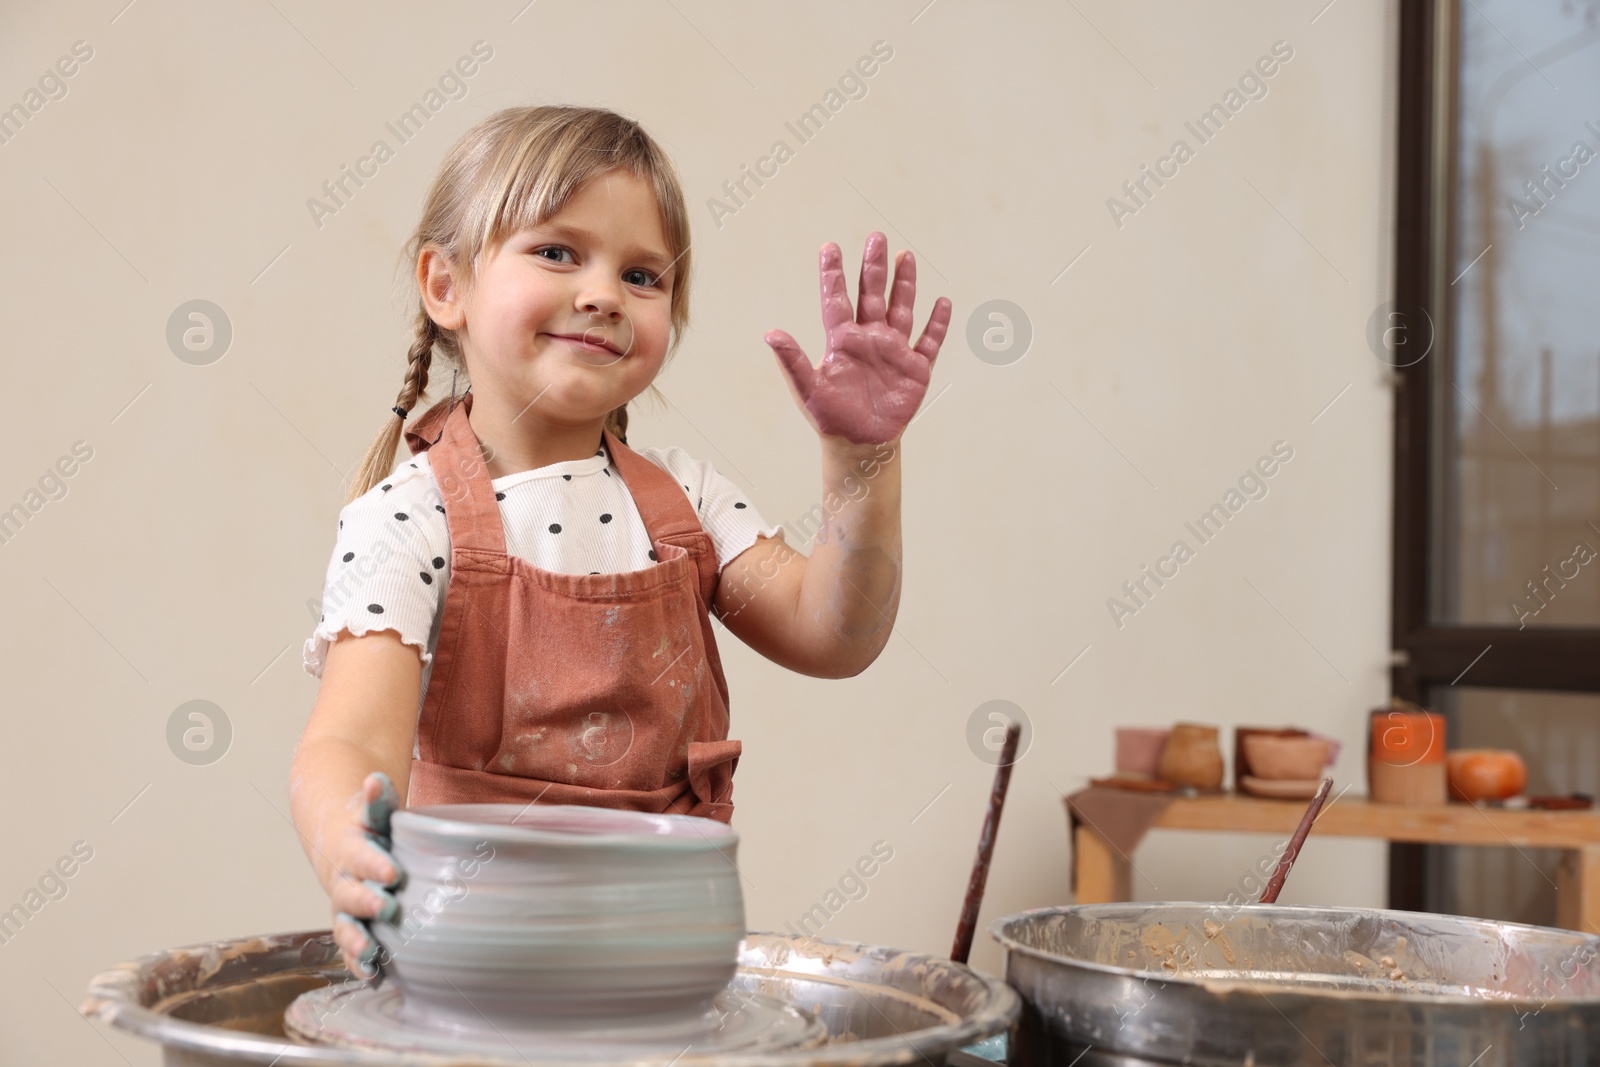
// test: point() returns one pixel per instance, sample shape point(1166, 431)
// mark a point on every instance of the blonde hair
point(516, 169)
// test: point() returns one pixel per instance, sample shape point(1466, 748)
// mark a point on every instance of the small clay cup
point(1285, 758)
point(565, 914)
point(1192, 757)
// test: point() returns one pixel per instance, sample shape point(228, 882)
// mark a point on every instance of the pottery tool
point(980, 864)
point(1269, 895)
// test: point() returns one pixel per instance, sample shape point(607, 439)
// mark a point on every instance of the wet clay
point(565, 922)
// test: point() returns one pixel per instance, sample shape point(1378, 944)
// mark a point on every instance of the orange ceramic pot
point(1406, 764)
point(1485, 774)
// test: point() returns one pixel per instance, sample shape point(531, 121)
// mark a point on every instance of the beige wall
point(1222, 317)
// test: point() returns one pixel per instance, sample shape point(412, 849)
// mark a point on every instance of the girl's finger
point(797, 367)
point(380, 801)
point(874, 271)
point(903, 294)
point(933, 333)
point(372, 860)
point(349, 935)
point(359, 948)
point(362, 899)
point(836, 309)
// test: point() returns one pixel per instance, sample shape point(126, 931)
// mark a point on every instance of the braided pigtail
point(617, 423)
point(380, 457)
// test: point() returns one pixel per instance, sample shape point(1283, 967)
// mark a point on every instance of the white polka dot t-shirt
point(391, 562)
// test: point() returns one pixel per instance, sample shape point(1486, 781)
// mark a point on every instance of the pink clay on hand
point(871, 379)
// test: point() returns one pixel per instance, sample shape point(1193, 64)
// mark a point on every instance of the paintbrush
point(1269, 895)
point(980, 864)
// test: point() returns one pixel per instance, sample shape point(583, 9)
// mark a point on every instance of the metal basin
point(1271, 984)
point(223, 1003)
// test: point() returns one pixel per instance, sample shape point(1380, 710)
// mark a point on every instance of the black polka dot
point(606, 472)
point(606, 517)
point(686, 489)
point(341, 524)
point(438, 561)
point(594, 572)
point(348, 556)
point(413, 466)
point(652, 553)
point(439, 508)
point(555, 527)
point(499, 496)
point(324, 618)
point(387, 487)
point(376, 609)
point(427, 579)
point(402, 516)
point(739, 504)
point(566, 477)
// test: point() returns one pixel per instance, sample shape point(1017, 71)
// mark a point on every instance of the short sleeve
point(726, 511)
point(389, 567)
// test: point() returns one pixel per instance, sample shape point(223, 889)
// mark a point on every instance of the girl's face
point(571, 318)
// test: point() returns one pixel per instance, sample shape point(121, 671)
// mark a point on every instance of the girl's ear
point(440, 288)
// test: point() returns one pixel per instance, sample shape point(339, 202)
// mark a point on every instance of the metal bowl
point(1273, 984)
point(222, 1003)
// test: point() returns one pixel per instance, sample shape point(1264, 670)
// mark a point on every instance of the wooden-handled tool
point(980, 865)
point(1269, 895)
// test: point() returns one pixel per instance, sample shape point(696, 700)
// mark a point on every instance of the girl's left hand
point(871, 379)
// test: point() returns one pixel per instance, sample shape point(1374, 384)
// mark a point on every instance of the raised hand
point(872, 379)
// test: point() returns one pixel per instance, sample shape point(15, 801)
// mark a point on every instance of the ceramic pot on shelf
point(1406, 764)
point(1192, 756)
point(1485, 774)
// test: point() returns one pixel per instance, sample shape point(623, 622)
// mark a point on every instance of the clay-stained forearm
point(851, 587)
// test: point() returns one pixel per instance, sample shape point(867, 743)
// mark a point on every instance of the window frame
point(1425, 654)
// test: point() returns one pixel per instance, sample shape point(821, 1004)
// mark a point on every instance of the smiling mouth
point(605, 348)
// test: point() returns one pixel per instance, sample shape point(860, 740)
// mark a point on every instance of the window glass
point(1517, 521)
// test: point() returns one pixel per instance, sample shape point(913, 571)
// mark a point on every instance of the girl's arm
point(830, 614)
point(364, 720)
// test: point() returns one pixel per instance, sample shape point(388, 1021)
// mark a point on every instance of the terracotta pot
point(1191, 756)
point(1485, 773)
point(1285, 758)
point(1406, 765)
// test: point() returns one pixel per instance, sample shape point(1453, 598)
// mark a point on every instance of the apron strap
point(461, 474)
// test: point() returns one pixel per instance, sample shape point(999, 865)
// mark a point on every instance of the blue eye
point(551, 248)
point(654, 278)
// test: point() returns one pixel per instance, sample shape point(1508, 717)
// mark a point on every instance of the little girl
point(519, 611)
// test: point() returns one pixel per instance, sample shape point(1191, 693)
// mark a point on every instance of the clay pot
point(1406, 764)
point(562, 913)
point(1285, 758)
point(1139, 749)
point(1192, 757)
point(1485, 773)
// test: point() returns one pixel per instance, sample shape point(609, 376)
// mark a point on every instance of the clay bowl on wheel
point(561, 913)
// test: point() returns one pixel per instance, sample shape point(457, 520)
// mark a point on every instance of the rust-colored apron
point(599, 689)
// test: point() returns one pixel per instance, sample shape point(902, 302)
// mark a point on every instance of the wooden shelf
point(1102, 873)
point(1353, 816)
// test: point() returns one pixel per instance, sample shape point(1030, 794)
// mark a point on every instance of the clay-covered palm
point(871, 379)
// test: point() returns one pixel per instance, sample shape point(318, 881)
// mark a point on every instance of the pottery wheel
point(360, 1017)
